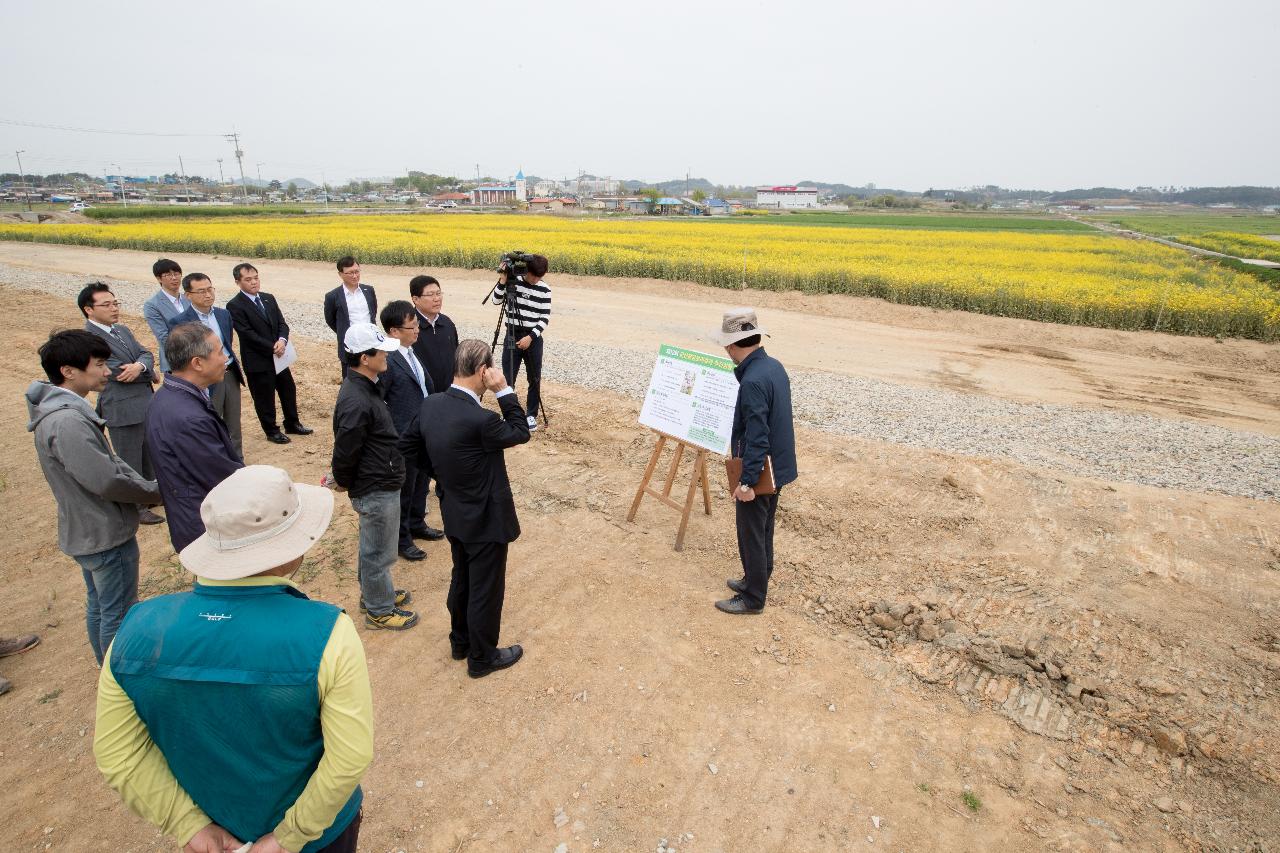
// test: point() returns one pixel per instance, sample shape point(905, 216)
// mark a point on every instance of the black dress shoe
point(737, 607)
point(413, 552)
point(459, 652)
point(505, 658)
point(738, 585)
point(298, 429)
point(277, 437)
point(427, 532)
point(146, 516)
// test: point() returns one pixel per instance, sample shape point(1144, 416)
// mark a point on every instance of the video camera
point(515, 263)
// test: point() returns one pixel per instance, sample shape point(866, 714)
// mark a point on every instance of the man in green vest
point(241, 711)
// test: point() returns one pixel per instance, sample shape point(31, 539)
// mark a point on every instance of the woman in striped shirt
point(525, 327)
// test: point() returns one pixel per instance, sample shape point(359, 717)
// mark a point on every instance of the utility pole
point(124, 199)
point(22, 178)
point(182, 170)
point(221, 180)
point(234, 138)
point(325, 180)
point(262, 188)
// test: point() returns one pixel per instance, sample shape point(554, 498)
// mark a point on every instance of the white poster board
point(691, 397)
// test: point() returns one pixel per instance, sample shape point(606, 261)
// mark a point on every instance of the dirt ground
point(958, 654)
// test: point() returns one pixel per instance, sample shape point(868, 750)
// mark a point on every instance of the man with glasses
point(165, 304)
point(348, 304)
point(225, 395)
point(437, 342)
point(124, 402)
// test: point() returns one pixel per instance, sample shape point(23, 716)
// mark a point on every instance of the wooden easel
point(699, 477)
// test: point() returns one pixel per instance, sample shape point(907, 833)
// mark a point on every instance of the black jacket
point(436, 347)
point(258, 334)
point(762, 424)
point(365, 458)
point(462, 450)
point(401, 390)
point(335, 311)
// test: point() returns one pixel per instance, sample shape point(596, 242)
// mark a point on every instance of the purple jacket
point(191, 453)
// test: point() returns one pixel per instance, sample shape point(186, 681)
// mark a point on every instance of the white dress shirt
point(357, 306)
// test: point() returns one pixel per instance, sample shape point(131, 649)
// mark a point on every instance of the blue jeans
point(111, 579)
point(379, 531)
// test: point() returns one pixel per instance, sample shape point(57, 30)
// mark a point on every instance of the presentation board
point(691, 398)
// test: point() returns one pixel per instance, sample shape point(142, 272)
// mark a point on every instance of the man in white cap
point(240, 711)
point(763, 434)
point(367, 464)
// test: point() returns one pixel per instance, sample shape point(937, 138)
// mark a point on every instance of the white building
point(786, 198)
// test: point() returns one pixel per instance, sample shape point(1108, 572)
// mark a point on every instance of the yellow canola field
point(1084, 279)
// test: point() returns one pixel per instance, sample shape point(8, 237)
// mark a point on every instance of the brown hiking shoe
point(17, 645)
point(396, 620)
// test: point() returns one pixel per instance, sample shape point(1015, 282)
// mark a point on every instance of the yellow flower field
point(1085, 279)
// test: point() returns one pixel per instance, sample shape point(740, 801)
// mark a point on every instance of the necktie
point(417, 370)
point(258, 301)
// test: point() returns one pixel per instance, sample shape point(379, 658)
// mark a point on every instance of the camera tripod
point(507, 310)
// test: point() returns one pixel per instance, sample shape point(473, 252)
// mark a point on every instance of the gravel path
point(1134, 448)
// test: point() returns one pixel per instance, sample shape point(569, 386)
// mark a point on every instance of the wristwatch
point(743, 487)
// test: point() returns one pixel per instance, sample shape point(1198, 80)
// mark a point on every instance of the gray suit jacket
point(124, 403)
point(158, 311)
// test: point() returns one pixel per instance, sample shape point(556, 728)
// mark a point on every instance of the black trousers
point(476, 592)
point(512, 356)
point(413, 502)
point(263, 388)
point(346, 842)
point(755, 545)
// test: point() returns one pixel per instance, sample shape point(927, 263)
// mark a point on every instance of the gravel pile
point(1134, 448)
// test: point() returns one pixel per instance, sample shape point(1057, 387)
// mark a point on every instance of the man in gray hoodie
point(97, 492)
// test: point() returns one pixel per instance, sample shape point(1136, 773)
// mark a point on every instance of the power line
point(14, 123)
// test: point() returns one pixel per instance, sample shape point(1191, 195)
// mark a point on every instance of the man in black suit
point(263, 337)
point(225, 395)
point(405, 384)
point(350, 302)
point(462, 448)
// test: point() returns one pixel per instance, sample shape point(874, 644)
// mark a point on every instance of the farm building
point(456, 198)
point(555, 205)
point(786, 198)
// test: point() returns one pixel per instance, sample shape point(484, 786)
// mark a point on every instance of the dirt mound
point(55, 217)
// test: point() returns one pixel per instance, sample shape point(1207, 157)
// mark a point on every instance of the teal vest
point(224, 677)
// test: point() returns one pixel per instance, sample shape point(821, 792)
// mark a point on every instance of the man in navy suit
point(225, 395)
point(463, 450)
point(405, 384)
point(165, 304)
point(348, 303)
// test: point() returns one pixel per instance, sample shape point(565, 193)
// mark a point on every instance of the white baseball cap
point(362, 337)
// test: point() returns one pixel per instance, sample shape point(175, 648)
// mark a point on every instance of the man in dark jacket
point(224, 396)
point(97, 492)
point(437, 342)
point(462, 448)
point(404, 386)
point(762, 431)
point(263, 337)
point(350, 302)
point(367, 464)
point(190, 446)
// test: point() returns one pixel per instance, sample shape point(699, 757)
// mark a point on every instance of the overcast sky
point(905, 94)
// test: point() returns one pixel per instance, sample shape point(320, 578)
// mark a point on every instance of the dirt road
point(958, 654)
point(1233, 383)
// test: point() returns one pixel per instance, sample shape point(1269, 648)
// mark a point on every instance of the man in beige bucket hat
point(763, 435)
point(240, 711)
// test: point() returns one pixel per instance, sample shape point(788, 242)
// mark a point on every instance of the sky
point(908, 95)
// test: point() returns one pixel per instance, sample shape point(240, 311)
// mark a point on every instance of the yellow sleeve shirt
point(135, 767)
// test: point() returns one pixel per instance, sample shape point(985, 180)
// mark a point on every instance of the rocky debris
point(1164, 804)
point(1169, 740)
point(1158, 686)
point(560, 819)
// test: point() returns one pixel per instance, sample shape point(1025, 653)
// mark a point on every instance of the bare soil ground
point(1095, 665)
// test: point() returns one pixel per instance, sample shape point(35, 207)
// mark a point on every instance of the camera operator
point(527, 319)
